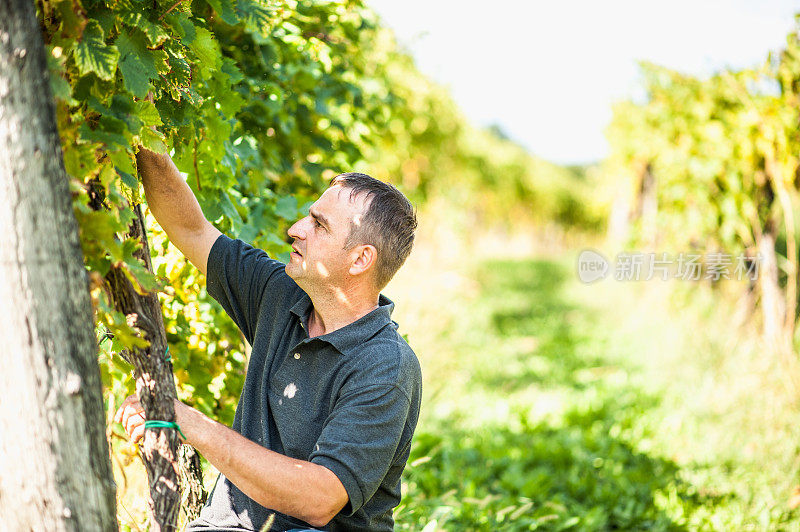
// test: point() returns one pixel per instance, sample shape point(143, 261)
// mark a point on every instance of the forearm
point(168, 196)
point(297, 488)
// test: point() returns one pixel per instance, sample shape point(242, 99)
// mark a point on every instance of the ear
point(364, 258)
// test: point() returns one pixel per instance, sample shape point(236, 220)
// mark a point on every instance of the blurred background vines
point(261, 102)
point(711, 165)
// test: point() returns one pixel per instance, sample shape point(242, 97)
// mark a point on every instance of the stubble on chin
point(294, 271)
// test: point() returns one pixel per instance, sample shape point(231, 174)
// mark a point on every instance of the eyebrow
point(320, 218)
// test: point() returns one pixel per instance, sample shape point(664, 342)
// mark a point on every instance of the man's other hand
point(131, 415)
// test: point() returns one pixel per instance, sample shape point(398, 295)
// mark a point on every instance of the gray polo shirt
point(348, 400)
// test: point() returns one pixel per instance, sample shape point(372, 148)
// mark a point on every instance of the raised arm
point(175, 208)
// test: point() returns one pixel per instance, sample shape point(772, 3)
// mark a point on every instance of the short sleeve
point(360, 439)
point(237, 277)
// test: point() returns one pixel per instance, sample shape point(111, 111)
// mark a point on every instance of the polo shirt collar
point(352, 335)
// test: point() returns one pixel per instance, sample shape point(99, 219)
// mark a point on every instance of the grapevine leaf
point(121, 108)
point(229, 67)
point(224, 9)
point(155, 33)
point(122, 161)
point(161, 59)
point(128, 179)
point(254, 13)
point(105, 17)
point(153, 140)
point(61, 89)
point(174, 114)
point(192, 96)
point(92, 54)
point(137, 64)
point(207, 50)
point(79, 161)
point(71, 19)
point(209, 202)
point(180, 74)
point(109, 130)
point(247, 233)
point(228, 208)
point(148, 113)
point(124, 109)
point(58, 83)
point(286, 207)
point(182, 26)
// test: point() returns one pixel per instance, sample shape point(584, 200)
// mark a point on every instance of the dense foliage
point(254, 99)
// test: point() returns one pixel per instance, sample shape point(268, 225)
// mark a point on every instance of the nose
point(297, 230)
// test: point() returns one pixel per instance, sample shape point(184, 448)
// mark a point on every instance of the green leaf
point(58, 84)
point(61, 89)
point(182, 26)
point(207, 50)
point(142, 280)
point(180, 71)
point(209, 202)
point(174, 114)
point(247, 233)
point(124, 109)
point(224, 9)
point(228, 208)
point(80, 161)
point(153, 140)
point(104, 16)
point(229, 67)
point(122, 160)
point(155, 32)
point(109, 131)
point(255, 13)
point(128, 179)
point(286, 207)
point(92, 54)
point(137, 63)
point(146, 112)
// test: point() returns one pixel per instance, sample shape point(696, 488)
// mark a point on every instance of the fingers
point(137, 433)
point(130, 402)
point(131, 415)
point(133, 421)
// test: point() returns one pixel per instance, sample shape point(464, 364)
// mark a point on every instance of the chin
point(294, 272)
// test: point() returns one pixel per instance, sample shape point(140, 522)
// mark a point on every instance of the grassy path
point(549, 406)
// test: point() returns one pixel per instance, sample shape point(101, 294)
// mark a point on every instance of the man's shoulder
point(387, 359)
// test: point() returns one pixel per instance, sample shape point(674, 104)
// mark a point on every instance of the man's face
point(318, 256)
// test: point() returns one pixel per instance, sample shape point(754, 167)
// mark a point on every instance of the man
point(323, 428)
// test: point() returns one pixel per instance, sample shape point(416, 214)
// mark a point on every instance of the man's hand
point(131, 415)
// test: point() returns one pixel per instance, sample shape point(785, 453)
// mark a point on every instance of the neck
point(334, 309)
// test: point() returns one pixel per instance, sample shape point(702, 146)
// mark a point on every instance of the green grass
point(551, 405)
